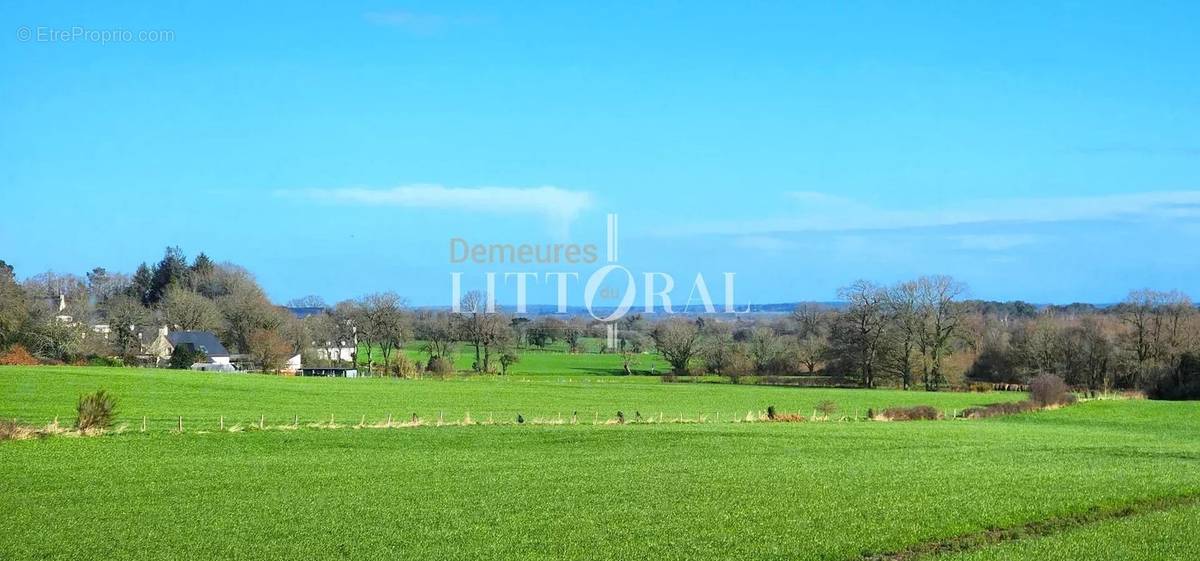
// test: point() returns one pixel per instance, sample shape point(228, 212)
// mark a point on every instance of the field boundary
point(1032, 530)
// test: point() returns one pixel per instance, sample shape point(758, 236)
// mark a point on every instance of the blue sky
point(1037, 151)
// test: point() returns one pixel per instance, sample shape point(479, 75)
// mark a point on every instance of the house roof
point(203, 341)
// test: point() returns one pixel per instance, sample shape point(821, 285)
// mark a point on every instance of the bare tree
point(943, 319)
point(438, 332)
point(469, 324)
point(384, 324)
point(677, 340)
point(268, 350)
point(125, 313)
point(907, 325)
point(764, 348)
point(859, 333)
point(308, 301)
point(812, 351)
point(189, 311)
point(246, 309)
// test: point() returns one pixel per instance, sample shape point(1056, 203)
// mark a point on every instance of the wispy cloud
point(558, 206)
point(993, 242)
point(416, 23)
point(821, 212)
point(765, 243)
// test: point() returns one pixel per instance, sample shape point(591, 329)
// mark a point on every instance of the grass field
point(1169, 534)
point(832, 490)
point(553, 360)
point(37, 395)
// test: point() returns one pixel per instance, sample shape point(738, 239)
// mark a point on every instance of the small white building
point(343, 351)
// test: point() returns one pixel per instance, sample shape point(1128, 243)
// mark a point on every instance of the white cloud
point(819, 212)
point(417, 23)
point(558, 206)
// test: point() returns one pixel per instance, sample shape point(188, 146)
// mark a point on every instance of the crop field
point(38, 395)
point(1169, 534)
point(717, 490)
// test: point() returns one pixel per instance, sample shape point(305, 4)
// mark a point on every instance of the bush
point(827, 408)
point(184, 356)
point(95, 411)
point(507, 359)
point(1183, 383)
point(440, 366)
point(1048, 389)
point(17, 355)
point(915, 413)
point(980, 387)
point(105, 361)
point(403, 367)
point(998, 409)
point(12, 430)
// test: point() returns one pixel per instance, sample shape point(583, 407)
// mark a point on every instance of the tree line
point(922, 333)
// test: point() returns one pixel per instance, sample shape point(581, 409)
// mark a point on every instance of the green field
point(553, 360)
point(818, 490)
point(37, 395)
point(1169, 534)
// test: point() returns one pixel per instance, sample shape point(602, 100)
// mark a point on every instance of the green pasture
point(554, 359)
point(1166, 535)
point(38, 395)
point(812, 490)
point(710, 491)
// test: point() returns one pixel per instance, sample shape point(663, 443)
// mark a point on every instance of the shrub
point(1183, 383)
point(980, 387)
point(12, 430)
point(1048, 389)
point(915, 413)
point(106, 361)
point(184, 356)
point(17, 355)
point(95, 411)
point(998, 409)
point(403, 367)
point(440, 366)
point(771, 412)
point(826, 408)
point(507, 359)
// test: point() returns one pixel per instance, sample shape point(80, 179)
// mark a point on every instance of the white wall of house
point(344, 354)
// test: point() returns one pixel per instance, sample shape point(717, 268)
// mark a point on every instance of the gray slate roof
point(204, 341)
